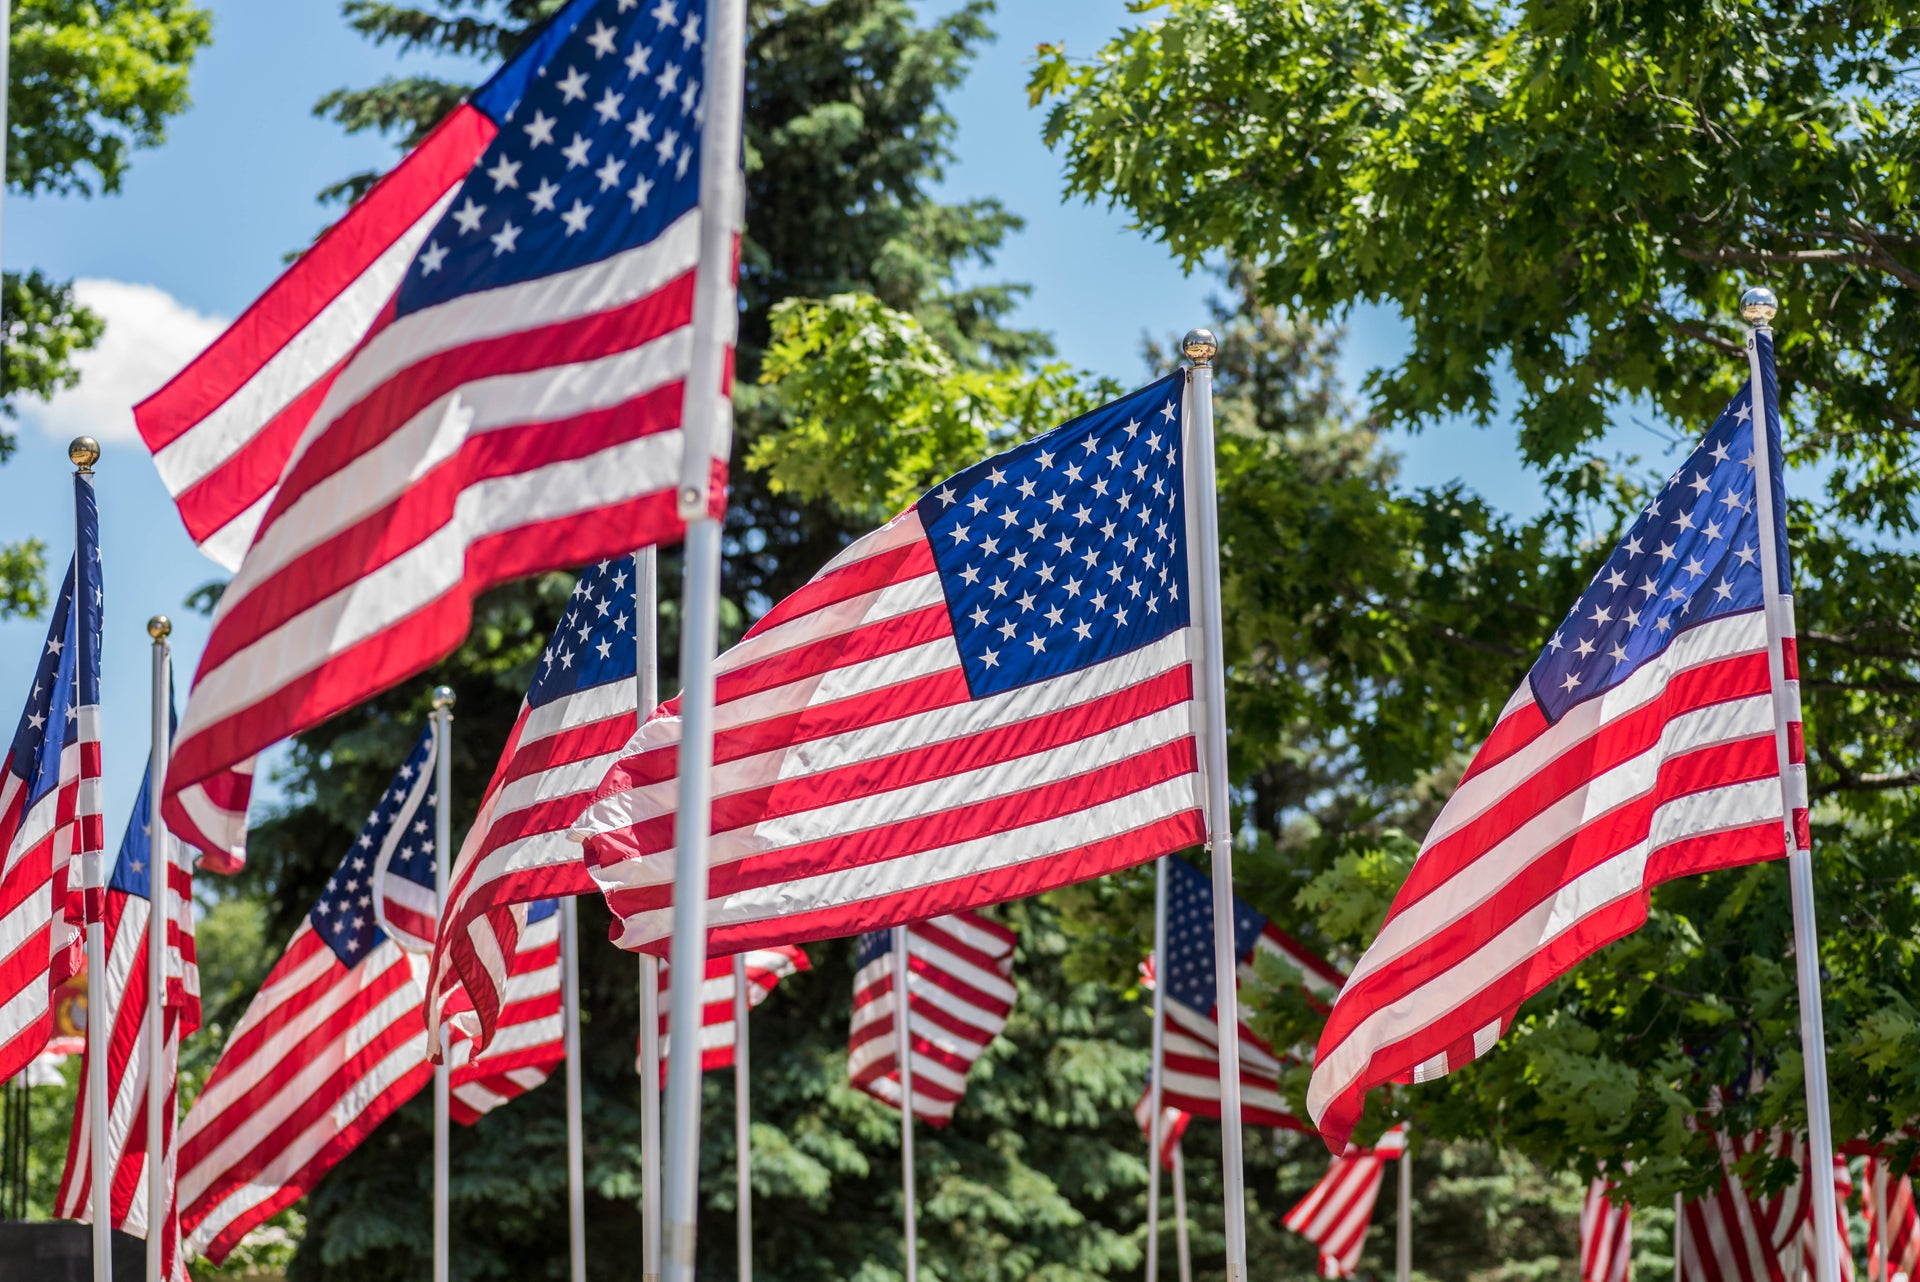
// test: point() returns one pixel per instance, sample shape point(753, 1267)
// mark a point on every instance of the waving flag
point(1334, 1216)
point(959, 994)
point(766, 967)
point(120, 997)
point(1192, 1044)
point(1606, 1236)
point(578, 714)
point(1886, 1188)
point(50, 818)
point(990, 696)
point(335, 1040)
point(1639, 749)
point(1173, 1125)
point(1732, 1236)
point(514, 406)
point(531, 1037)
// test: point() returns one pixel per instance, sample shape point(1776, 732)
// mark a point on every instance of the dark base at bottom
point(62, 1251)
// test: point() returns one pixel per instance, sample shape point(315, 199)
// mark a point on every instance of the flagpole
point(1403, 1223)
point(1879, 1189)
point(742, 1137)
point(1679, 1237)
point(443, 847)
point(159, 913)
point(1200, 347)
point(84, 452)
point(576, 1149)
point(1758, 307)
point(646, 610)
point(903, 1058)
point(1180, 1215)
point(705, 428)
point(1155, 1087)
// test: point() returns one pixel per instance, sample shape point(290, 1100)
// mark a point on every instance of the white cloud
point(149, 336)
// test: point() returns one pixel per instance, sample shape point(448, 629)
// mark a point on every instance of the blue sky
point(205, 222)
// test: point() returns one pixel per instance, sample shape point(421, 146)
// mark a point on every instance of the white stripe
point(585, 707)
point(1599, 887)
point(849, 614)
point(428, 570)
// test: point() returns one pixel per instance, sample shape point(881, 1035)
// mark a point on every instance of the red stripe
point(254, 468)
point(423, 638)
point(338, 258)
point(899, 564)
point(834, 653)
point(989, 1006)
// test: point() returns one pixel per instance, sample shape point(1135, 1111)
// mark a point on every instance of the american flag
point(531, 1041)
point(1809, 1243)
point(1173, 1125)
point(1888, 1188)
point(335, 1041)
point(50, 817)
point(1334, 1216)
point(989, 696)
point(1640, 748)
point(513, 407)
point(766, 967)
point(959, 994)
point(1606, 1236)
point(578, 714)
point(120, 998)
point(1730, 1235)
point(1191, 1054)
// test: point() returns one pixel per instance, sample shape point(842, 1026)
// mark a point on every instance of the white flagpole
point(1403, 1223)
point(83, 451)
point(1155, 1087)
point(742, 1121)
point(1180, 1215)
point(705, 428)
point(576, 1145)
point(1881, 1253)
point(1204, 533)
point(646, 609)
point(1758, 307)
point(442, 862)
point(1679, 1237)
point(903, 1056)
point(159, 914)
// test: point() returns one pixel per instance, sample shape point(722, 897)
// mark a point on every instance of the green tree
point(1566, 200)
point(91, 81)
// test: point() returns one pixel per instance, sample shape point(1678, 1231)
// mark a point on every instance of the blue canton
point(35, 756)
point(600, 154)
point(132, 867)
point(541, 909)
point(1692, 555)
point(402, 822)
point(873, 945)
point(1187, 970)
point(1066, 550)
point(594, 643)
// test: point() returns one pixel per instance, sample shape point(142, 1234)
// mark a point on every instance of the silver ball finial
point(159, 627)
point(443, 697)
point(1200, 346)
point(83, 452)
point(1759, 305)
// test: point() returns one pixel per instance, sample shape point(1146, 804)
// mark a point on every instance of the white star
point(1083, 630)
point(573, 87)
point(1583, 649)
point(1693, 568)
point(1120, 615)
point(668, 79)
point(979, 616)
point(576, 218)
point(1719, 452)
point(946, 495)
point(689, 95)
point(979, 505)
point(1554, 642)
point(608, 108)
point(1632, 617)
point(432, 258)
point(1019, 560)
point(664, 14)
point(690, 32)
point(959, 533)
point(503, 240)
point(1601, 615)
point(1026, 602)
point(539, 129)
point(1665, 552)
point(1006, 631)
point(668, 141)
point(1722, 591)
point(1053, 615)
point(1132, 429)
point(1662, 623)
point(469, 215)
point(680, 162)
point(998, 587)
point(1570, 682)
point(998, 477)
point(1684, 521)
point(1745, 554)
point(542, 196)
point(638, 193)
point(1615, 579)
point(1633, 546)
point(601, 40)
point(576, 151)
point(1712, 531)
point(639, 61)
point(1698, 484)
point(1744, 413)
point(990, 545)
point(605, 648)
point(609, 173)
point(1038, 643)
point(991, 658)
point(1026, 488)
point(1167, 411)
point(1648, 586)
point(640, 128)
point(1618, 653)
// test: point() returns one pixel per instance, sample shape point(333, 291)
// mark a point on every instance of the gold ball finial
point(442, 697)
point(1200, 346)
point(159, 627)
point(83, 452)
point(1759, 305)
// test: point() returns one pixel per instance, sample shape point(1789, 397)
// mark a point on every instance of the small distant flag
point(1640, 748)
point(959, 994)
point(766, 967)
point(1173, 1125)
point(1730, 1235)
point(1334, 1216)
point(1606, 1236)
point(50, 819)
point(1899, 1238)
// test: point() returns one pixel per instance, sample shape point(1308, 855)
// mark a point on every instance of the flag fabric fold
point(1334, 1216)
point(766, 967)
point(578, 714)
point(1606, 1236)
point(120, 997)
point(50, 815)
point(511, 405)
point(960, 993)
point(1173, 1125)
point(1885, 1187)
point(1732, 1235)
point(989, 696)
point(1640, 748)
